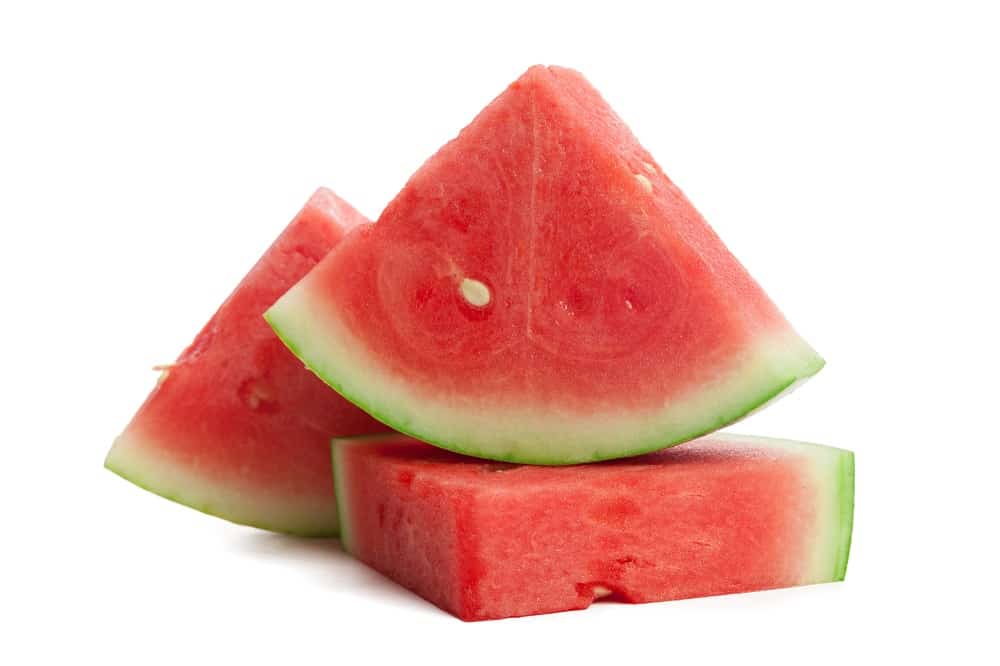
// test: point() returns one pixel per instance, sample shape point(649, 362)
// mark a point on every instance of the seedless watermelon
point(540, 291)
point(482, 540)
point(236, 427)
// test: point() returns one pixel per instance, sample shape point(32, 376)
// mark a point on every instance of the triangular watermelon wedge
point(541, 292)
point(236, 427)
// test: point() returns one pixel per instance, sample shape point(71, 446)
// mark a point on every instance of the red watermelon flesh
point(540, 291)
point(720, 515)
point(236, 426)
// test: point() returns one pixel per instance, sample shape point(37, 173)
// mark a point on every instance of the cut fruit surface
point(723, 514)
point(541, 292)
point(236, 426)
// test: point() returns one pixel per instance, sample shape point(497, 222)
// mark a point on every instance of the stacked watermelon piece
point(501, 364)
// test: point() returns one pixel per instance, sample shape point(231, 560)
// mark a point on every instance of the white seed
point(601, 591)
point(164, 370)
point(474, 292)
point(649, 167)
point(646, 184)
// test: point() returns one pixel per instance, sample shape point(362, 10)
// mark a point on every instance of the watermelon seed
point(649, 167)
point(258, 396)
point(474, 292)
point(164, 370)
point(596, 591)
point(645, 182)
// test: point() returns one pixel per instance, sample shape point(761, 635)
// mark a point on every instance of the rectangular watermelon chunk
point(723, 514)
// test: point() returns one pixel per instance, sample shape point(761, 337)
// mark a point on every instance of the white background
point(848, 153)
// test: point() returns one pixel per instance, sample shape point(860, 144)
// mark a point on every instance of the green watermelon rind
point(207, 497)
point(789, 362)
point(339, 490)
point(845, 486)
point(838, 478)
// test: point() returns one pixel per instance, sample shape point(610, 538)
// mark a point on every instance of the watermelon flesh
point(541, 292)
point(236, 426)
point(482, 540)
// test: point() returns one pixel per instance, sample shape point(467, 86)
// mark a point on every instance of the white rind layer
point(140, 460)
point(526, 434)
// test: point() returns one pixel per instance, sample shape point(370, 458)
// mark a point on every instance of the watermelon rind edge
point(805, 363)
point(338, 445)
point(339, 486)
point(846, 504)
point(119, 465)
point(831, 479)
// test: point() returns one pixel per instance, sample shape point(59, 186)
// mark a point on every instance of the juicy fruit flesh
point(719, 515)
point(236, 426)
point(599, 292)
point(584, 283)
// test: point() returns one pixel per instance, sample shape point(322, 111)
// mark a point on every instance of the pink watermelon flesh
point(540, 291)
point(720, 515)
point(236, 426)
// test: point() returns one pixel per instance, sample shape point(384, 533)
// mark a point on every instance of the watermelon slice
point(482, 540)
point(541, 292)
point(236, 427)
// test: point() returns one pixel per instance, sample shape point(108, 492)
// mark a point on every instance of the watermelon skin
point(615, 321)
point(720, 515)
point(236, 426)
